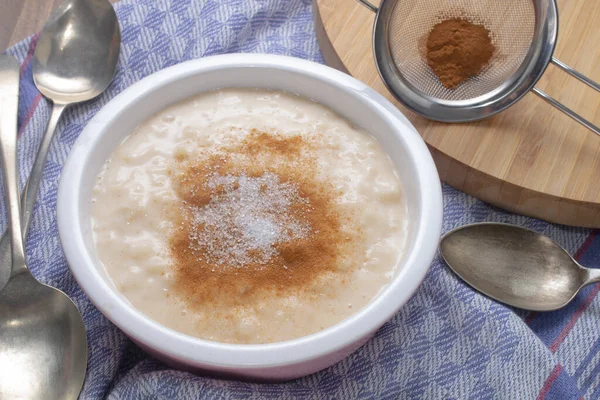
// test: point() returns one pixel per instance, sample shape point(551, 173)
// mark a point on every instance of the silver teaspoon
point(75, 60)
point(43, 346)
point(516, 266)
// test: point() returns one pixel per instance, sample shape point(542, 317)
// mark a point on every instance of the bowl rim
point(199, 352)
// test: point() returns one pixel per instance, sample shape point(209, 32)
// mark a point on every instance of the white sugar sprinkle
point(242, 223)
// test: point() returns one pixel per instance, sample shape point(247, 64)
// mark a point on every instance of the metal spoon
point(75, 60)
point(43, 346)
point(516, 266)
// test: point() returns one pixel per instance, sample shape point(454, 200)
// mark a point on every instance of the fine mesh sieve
point(523, 32)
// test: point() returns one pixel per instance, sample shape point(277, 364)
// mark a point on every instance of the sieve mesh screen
point(511, 25)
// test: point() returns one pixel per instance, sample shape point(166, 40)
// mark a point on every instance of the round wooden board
point(530, 159)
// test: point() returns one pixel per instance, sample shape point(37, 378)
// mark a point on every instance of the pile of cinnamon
point(457, 50)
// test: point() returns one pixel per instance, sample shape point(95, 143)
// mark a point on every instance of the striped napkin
point(448, 342)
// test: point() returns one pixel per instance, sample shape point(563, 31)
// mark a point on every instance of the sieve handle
point(578, 75)
point(582, 78)
point(369, 5)
point(567, 111)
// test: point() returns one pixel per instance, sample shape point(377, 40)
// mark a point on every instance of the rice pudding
point(248, 216)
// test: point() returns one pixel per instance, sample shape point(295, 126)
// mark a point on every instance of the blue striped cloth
point(448, 342)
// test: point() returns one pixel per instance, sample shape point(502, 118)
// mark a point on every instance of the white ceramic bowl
point(353, 100)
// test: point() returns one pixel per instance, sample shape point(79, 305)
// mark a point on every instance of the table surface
point(21, 18)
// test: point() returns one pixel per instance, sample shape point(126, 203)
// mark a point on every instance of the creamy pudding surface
point(249, 216)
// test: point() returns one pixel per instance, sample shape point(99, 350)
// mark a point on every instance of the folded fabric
point(447, 342)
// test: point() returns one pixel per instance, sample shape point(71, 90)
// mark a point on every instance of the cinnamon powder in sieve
point(458, 50)
point(256, 221)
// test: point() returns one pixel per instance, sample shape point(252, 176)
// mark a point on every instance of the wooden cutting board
point(530, 159)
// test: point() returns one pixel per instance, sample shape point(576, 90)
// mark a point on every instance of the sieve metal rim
point(519, 84)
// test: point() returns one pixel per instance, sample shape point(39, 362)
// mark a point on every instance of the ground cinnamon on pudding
point(458, 50)
point(264, 143)
point(252, 227)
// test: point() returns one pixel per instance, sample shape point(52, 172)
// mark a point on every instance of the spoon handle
point(33, 183)
point(30, 192)
point(9, 102)
point(592, 275)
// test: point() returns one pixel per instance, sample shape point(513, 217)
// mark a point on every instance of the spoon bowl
point(44, 348)
point(77, 52)
point(514, 265)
